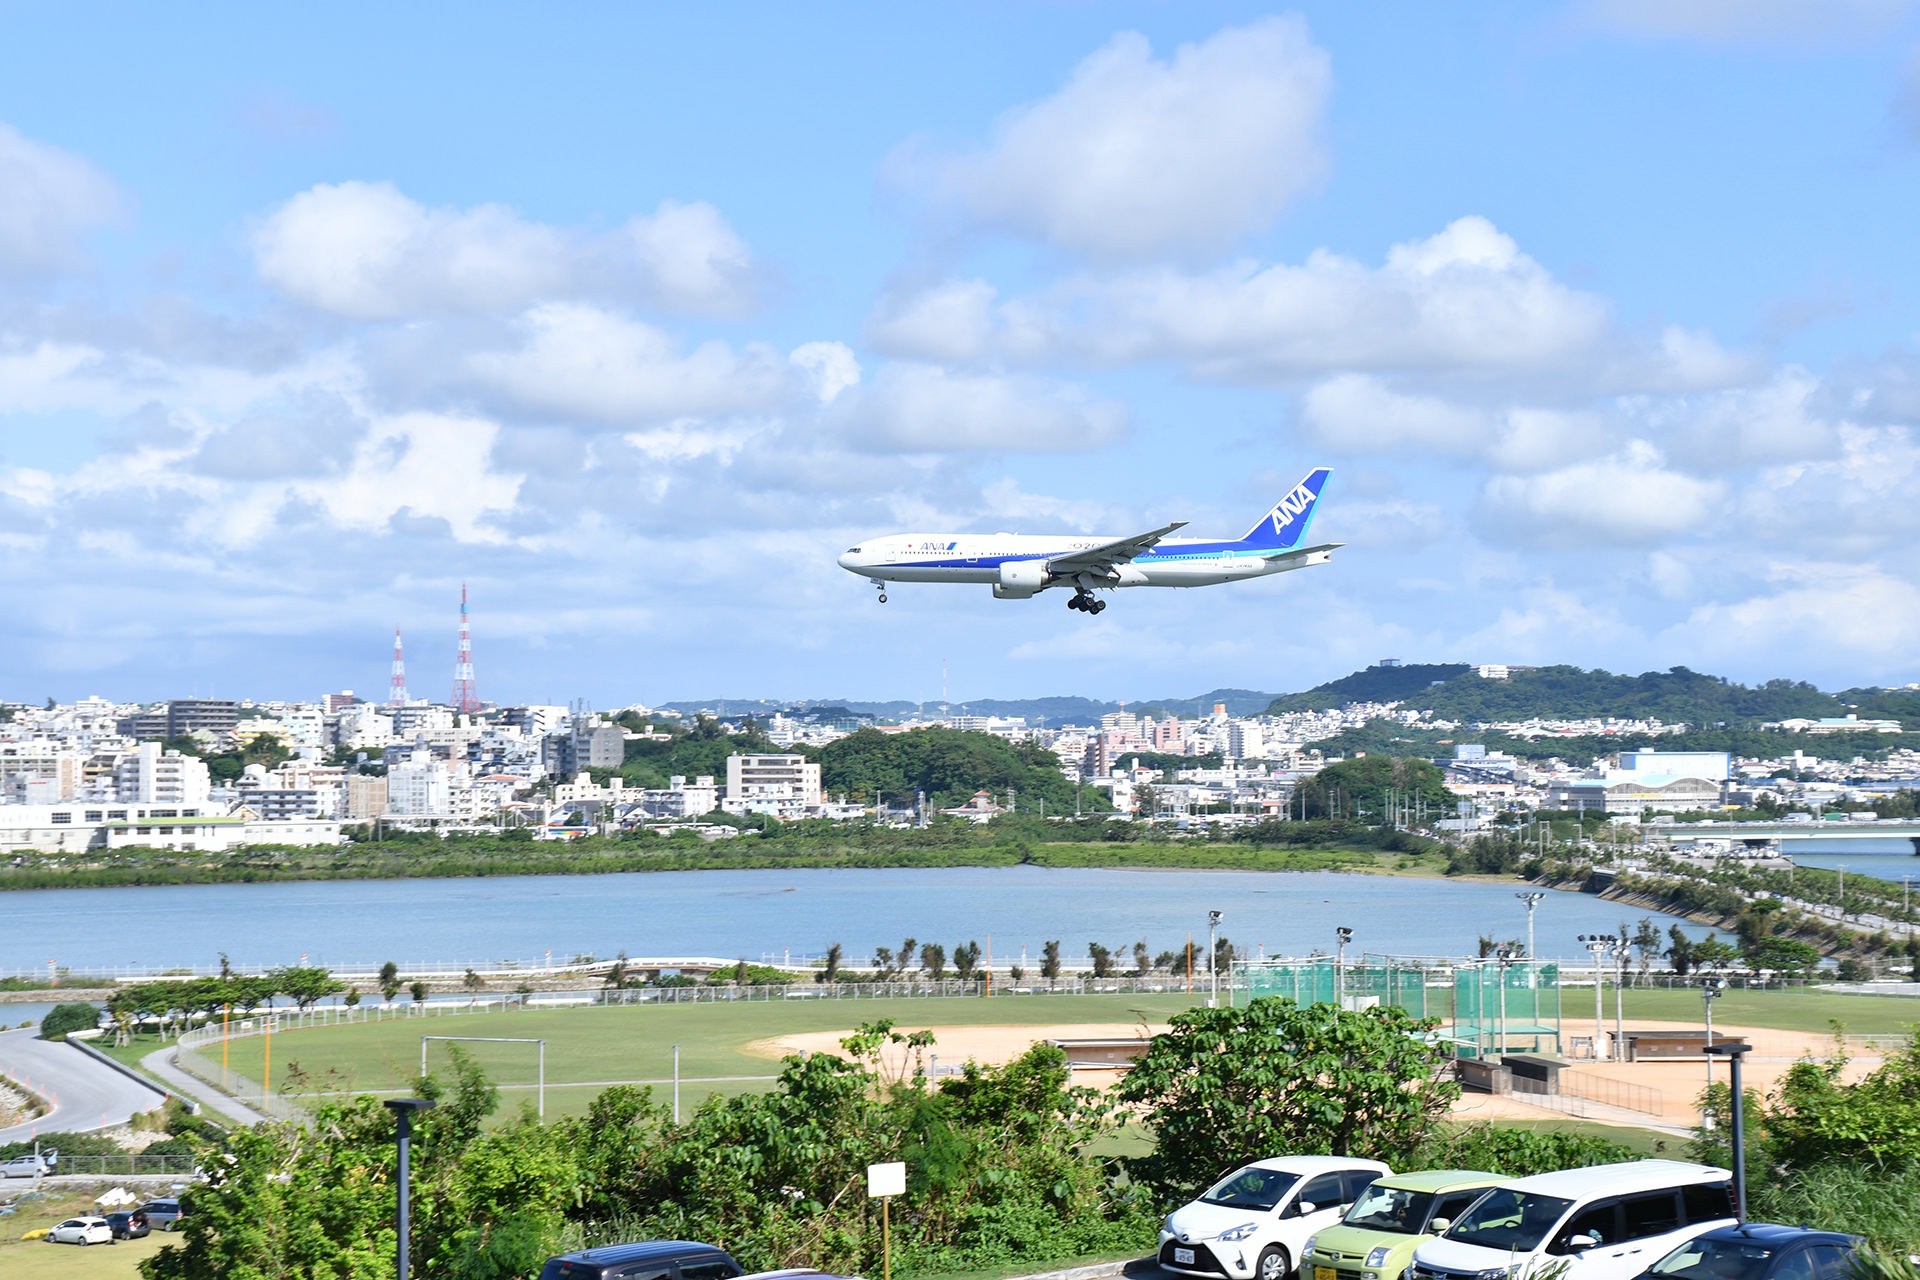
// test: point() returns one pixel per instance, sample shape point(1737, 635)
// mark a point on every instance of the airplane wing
point(1303, 552)
point(1103, 559)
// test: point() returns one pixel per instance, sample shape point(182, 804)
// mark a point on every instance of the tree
point(389, 981)
point(903, 958)
point(473, 981)
point(1102, 959)
point(1646, 941)
point(305, 986)
point(1142, 960)
point(352, 998)
point(741, 973)
point(1223, 1086)
point(418, 990)
point(830, 972)
point(966, 959)
point(1050, 961)
point(616, 976)
point(1679, 950)
point(883, 961)
point(933, 958)
point(64, 1019)
point(1371, 787)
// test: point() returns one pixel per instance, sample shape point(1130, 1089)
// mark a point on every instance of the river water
point(769, 915)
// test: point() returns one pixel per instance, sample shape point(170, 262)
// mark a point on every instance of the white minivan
point(1254, 1223)
point(1605, 1222)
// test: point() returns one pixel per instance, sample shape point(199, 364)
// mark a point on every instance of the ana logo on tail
point(1290, 506)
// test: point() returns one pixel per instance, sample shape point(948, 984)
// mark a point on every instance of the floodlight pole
point(1213, 960)
point(1341, 937)
point(1710, 989)
point(1732, 1050)
point(403, 1109)
point(1532, 898)
point(1599, 944)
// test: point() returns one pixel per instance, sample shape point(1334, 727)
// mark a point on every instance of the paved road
point(160, 1063)
point(85, 1094)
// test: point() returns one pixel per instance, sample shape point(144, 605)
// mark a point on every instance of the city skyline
point(1604, 316)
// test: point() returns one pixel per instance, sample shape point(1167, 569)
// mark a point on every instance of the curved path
point(84, 1094)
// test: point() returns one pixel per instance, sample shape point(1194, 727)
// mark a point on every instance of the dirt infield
point(1661, 1095)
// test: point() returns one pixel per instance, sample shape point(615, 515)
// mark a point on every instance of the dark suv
point(645, 1260)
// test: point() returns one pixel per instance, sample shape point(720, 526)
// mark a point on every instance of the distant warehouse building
point(1666, 781)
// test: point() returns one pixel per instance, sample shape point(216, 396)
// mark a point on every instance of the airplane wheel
point(1098, 606)
point(1073, 602)
point(883, 597)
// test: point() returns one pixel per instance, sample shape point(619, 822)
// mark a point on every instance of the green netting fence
point(1484, 1006)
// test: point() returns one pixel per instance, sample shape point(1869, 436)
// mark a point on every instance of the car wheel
point(1273, 1265)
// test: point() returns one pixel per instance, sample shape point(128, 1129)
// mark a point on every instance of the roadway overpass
point(1784, 833)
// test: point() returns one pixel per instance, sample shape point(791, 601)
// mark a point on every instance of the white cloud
point(1136, 155)
point(586, 363)
point(916, 408)
point(831, 366)
point(367, 251)
point(1860, 617)
point(48, 198)
point(950, 322)
point(1629, 498)
point(1359, 413)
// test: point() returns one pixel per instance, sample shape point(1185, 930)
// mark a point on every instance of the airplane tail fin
point(1285, 526)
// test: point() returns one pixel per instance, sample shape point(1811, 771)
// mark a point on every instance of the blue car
point(1758, 1251)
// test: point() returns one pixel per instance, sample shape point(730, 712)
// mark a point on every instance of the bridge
point(1783, 833)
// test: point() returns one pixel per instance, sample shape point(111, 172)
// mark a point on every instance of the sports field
point(734, 1048)
point(723, 1047)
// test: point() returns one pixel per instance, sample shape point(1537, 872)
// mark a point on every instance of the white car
point(28, 1166)
point(1254, 1223)
point(81, 1231)
point(1605, 1222)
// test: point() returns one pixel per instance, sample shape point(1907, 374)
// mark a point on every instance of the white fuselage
point(948, 557)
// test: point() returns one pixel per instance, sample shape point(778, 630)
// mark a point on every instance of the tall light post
point(1213, 960)
point(403, 1109)
point(1341, 937)
point(1599, 944)
point(1710, 989)
point(1532, 898)
point(1506, 958)
point(1732, 1050)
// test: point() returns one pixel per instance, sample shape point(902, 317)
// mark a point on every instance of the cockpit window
point(853, 551)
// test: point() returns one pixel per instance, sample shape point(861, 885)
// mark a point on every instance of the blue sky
point(633, 317)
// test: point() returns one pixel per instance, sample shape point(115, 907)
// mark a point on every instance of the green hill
point(1410, 684)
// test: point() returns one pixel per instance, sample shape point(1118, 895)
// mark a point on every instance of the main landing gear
point(881, 587)
point(1086, 603)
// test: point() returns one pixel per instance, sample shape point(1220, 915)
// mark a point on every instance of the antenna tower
point(464, 698)
point(397, 683)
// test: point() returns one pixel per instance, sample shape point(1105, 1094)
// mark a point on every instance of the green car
point(1376, 1238)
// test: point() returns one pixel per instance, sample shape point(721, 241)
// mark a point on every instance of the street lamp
point(1731, 1050)
point(1213, 960)
point(403, 1109)
point(1599, 944)
point(1341, 936)
point(1710, 990)
point(1506, 957)
point(1532, 898)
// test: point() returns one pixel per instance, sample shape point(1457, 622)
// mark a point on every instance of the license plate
point(1183, 1256)
point(1325, 1273)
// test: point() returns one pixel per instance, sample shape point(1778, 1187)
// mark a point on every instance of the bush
point(64, 1018)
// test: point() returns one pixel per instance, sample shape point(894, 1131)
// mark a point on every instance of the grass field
point(588, 1049)
point(36, 1259)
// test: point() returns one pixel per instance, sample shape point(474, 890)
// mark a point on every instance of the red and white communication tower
point(397, 682)
point(464, 697)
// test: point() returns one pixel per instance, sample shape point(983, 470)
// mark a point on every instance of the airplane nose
point(846, 560)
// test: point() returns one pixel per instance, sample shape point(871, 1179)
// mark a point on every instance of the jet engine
point(1020, 579)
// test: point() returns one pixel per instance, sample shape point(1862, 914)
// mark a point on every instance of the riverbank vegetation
point(1007, 841)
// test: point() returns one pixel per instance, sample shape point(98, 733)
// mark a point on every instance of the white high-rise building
point(147, 775)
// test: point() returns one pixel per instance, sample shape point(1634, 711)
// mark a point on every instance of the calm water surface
point(758, 914)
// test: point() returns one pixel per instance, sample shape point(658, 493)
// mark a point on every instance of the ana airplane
point(1020, 567)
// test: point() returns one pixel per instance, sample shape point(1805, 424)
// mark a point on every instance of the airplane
point(1020, 567)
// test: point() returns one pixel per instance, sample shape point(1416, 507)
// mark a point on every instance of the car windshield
point(1251, 1189)
point(1390, 1209)
point(1714, 1260)
point(1511, 1220)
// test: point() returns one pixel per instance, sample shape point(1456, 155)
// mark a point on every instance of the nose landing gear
point(881, 587)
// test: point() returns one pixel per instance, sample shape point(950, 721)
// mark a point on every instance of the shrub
point(65, 1018)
